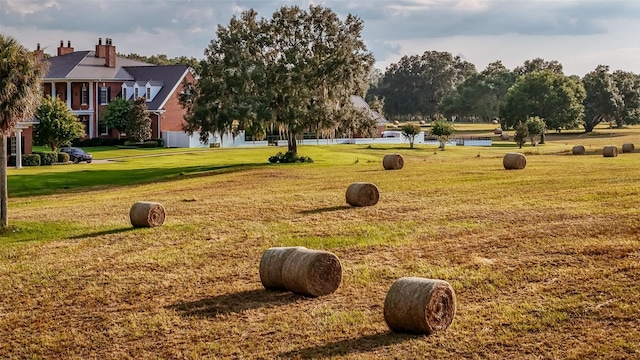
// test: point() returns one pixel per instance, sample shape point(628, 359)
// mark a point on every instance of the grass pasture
point(545, 261)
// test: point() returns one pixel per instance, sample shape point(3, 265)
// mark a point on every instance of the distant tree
point(294, 72)
point(409, 132)
point(602, 99)
point(162, 59)
point(443, 130)
point(553, 97)
point(538, 64)
point(521, 133)
point(20, 94)
point(138, 122)
point(116, 114)
point(535, 128)
point(628, 85)
point(57, 126)
point(416, 85)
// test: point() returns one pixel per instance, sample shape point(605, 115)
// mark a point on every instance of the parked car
point(77, 154)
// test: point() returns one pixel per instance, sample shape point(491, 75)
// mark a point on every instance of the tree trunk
point(292, 144)
point(4, 196)
point(541, 138)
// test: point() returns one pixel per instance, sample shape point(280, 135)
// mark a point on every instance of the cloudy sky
point(580, 34)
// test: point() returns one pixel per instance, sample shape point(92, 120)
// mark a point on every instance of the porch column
point(18, 148)
point(69, 94)
point(53, 90)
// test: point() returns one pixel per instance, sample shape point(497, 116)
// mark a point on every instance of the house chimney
point(101, 50)
point(64, 50)
point(38, 53)
point(110, 56)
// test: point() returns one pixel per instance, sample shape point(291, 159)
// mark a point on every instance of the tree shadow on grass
point(234, 303)
point(100, 233)
point(344, 347)
point(322, 210)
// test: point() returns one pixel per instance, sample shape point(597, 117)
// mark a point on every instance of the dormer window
point(124, 93)
point(84, 95)
point(135, 93)
point(148, 93)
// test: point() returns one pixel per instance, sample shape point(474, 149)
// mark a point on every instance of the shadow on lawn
point(100, 233)
point(322, 210)
point(234, 303)
point(344, 347)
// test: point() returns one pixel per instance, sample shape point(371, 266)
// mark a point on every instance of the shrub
point(31, 160)
point(289, 157)
point(159, 141)
point(47, 157)
point(63, 157)
point(149, 144)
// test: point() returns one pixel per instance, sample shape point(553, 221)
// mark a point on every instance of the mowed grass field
point(545, 261)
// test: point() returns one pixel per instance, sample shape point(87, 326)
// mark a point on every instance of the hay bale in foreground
point(271, 266)
point(610, 151)
point(514, 161)
point(311, 272)
point(578, 150)
point(419, 305)
point(393, 162)
point(147, 214)
point(362, 194)
point(628, 148)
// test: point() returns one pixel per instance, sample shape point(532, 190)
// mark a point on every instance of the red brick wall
point(173, 118)
point(28, 140)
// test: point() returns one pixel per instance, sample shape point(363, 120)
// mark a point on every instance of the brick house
point(88, 80)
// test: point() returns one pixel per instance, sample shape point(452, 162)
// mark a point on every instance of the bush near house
point(30, 160)
point(47, 157)
point(63, 158)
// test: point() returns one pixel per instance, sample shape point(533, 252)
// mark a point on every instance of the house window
point(148, 94)
point(104, 130)
point(135, 93)
point(124, 93)
point(84, 95)
point(104, 96)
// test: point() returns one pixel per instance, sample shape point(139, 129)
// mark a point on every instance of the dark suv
point(77, 155)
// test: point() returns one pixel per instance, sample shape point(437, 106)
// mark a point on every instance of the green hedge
point(30, 160)
point(63, 157)
point(47, 157)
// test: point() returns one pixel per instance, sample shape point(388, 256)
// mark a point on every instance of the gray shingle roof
point(169, 75)
point(359, 103)
point(83, 65)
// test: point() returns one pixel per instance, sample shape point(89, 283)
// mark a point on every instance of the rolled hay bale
point(271, 266)
point(628, 148)
point(578, 150)
point(419, 305)
point(495, 122)
point(497, 131)
point(362, 194)
point(610, 151)
point(504, 136)
point(393, 162)
point(514, 161)
point(147, 214)
point(311, 272)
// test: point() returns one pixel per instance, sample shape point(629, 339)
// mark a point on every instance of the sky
point(580, 34)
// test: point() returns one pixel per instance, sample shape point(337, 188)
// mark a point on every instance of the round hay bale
point(628, 148)
point(514, 161)
point(504, 136)
point(271, 266)
point(610, 151)
point(578, 150)
point(362, 194)
point(495, 122)
point(311, 272)
point(147, 214)
point(396, 122)
point(419, 305)
point(393, 162)
point(497, 131)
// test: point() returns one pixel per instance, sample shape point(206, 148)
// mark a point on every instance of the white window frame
point(84, 95)
point(124, 93)
point(148, 94)
point(103, 96)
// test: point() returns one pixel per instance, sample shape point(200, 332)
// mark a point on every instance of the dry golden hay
point(578, 150)
point(393, 162)
point(419, 305)
point(504, 136)
point(495, 122)
point(271, 266)
point(147, 214)
point(628, 148)
point(514, 161)
point(311, 272)
point(497, 131)
point(610, 151)
point(362, 194)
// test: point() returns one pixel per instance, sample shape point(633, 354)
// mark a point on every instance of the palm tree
point(20, 93)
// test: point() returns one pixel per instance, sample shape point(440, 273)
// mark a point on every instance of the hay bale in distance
point(514, 161)
point(578, 150)
point(610, 151)
point(628, 148)
point(497, 131)
point(393, 162)
point(362, 194)
point(495, 122)
point(419, 305)
point(147, 214)
point(504, 136)
point(271, 266)
point(311, 272)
